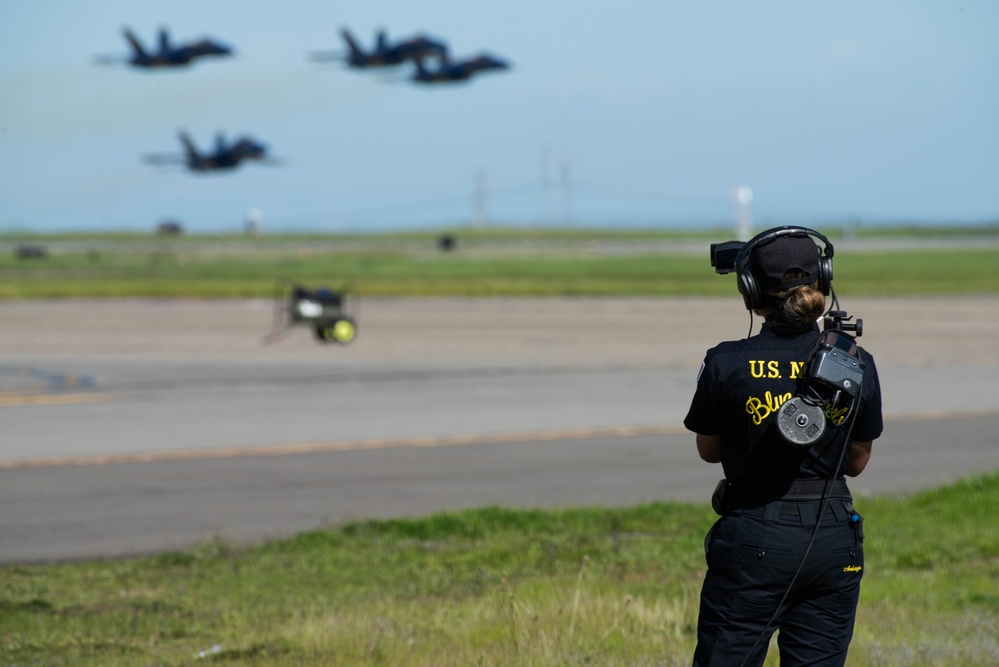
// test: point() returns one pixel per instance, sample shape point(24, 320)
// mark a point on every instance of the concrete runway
point(137, 426)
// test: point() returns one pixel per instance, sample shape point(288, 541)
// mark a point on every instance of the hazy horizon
point(640, 115)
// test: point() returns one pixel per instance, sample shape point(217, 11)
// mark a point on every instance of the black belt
point(795, 509)
point(804, 513)
point(756, 493)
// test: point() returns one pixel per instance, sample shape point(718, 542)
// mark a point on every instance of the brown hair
point(798, 307)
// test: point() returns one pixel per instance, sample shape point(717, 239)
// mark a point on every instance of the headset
point(749, 286)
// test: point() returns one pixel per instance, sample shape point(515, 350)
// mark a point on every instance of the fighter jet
point(449, 71)
point(168, 55)
point(384, 54)
point(226, 156)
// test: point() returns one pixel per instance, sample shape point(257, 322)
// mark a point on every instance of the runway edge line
point(343, 446)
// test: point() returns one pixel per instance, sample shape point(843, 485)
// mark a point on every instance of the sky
point(634, 113)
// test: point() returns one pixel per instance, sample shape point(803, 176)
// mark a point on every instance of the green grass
point(486, 263)
point(495, 587)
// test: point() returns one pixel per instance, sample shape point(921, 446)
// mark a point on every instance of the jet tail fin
point(190, 152)
point(134, 41)
point(355, 50)
point(164, 41)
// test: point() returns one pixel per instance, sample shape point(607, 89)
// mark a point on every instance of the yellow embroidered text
point(761, 409)
point(770, 370)
point(836, 416)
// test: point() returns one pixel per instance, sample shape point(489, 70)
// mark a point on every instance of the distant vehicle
point(31, 251)
point(169, 228)
point(449, 71)
point(168, 55)
point(326, 311)
point(447, 242)
point(226, 156)
point(384, 54)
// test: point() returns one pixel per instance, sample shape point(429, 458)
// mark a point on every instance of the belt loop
point(807, 512)
point(771, 511)
point(839, 509)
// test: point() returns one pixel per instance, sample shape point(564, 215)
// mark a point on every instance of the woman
point(788, 550)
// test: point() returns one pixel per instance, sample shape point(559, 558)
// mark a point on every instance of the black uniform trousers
point(752, 557)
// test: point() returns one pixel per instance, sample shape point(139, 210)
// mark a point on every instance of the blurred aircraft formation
point(449, 71)
point(226, 156)
point(384, 54)
point(168, 55)
point(417, 50)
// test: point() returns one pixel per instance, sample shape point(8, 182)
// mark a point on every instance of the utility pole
point(546, 188)
point(479, 216)
point(567, 190)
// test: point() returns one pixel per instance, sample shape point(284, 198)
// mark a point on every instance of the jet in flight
point(384, 54)
point(226, 156)
point(450, 71)
point(168, 55)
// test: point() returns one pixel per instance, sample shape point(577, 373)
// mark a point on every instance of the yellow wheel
point(342, 331)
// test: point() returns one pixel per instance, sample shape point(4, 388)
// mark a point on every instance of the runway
point(138, 426)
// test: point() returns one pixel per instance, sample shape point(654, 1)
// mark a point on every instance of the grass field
point(483, 263)
point(591, 586)
point(496, 587)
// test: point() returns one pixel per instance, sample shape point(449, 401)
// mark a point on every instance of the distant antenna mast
point(567, 189)
point(743, 196)
point(546, 187)
point(479, 218)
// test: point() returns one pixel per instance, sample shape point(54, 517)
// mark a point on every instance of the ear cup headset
point(750, 288)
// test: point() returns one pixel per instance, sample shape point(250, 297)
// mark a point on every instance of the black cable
point(835, 301)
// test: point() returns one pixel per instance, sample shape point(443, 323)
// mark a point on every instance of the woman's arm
point(860, 454)
point(709, 447)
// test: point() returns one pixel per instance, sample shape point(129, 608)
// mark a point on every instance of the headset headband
point(749, 286)
point(771, 235)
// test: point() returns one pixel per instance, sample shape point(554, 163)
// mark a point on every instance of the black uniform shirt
point(741, 386)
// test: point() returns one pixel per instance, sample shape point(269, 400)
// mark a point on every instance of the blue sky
point(632, 113)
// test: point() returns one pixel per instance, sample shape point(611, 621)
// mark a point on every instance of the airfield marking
point(342, 446)
point(44, 387)
point(50, 399)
